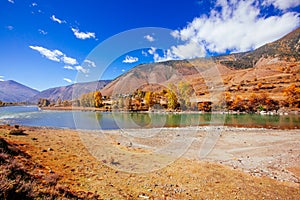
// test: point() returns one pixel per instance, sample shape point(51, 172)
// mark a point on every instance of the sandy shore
point(240, 163)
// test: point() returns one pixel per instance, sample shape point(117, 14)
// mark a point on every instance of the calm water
point(32, 116)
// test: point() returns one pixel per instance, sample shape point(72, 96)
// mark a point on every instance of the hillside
point(11, 91)
point(69, 92)
point(266, 70)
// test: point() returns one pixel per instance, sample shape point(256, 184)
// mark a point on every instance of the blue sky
point(47, 43)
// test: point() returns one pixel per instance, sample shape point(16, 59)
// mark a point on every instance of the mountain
point(11, 91)
point(69, 92)
point(268, 69)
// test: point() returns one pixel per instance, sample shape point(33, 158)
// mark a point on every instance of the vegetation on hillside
point(19, 178)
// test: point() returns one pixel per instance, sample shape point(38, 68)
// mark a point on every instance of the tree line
point(178, 97)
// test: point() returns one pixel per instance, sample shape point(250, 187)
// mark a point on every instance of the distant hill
point(11, 91)
point(69, 92)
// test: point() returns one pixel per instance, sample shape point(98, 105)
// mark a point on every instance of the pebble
point(144, 196)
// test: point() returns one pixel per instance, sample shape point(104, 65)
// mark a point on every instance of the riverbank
point(244, 164)
point(286, 111)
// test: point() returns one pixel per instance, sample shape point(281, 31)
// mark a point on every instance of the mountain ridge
point(69, 92)
point(12, 91)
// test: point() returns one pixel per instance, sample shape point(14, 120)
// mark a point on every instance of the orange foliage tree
point(292, 94)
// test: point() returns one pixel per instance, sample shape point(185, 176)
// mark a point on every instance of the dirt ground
point(211, 163)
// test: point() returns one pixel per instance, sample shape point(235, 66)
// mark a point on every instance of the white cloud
point(167, 55)
point(51, 55)
point(55, 55)
point(233, 26)
point(68, 60)
point(152, 50)
point(11, 1)
point(282, 4)
point(123, 70)
point(42, 32)
point(81, 69)
point(144, 53)
point(68, 80)
point(130, 59)
point(57, 20)
point(149, 38)
point(10, 28)
point(34, 4)
point(69, 67)
point(77, 68)
point(90, 63)
point(1, 78)
point(188, 50)
point(83, 35)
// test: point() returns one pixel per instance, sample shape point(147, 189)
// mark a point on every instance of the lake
point(32, 116)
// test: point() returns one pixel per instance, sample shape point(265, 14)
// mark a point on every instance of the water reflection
point(121, 120)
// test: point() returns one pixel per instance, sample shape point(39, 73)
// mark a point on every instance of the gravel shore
point(175, 163)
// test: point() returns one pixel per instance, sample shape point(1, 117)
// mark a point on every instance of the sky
point(49, 43)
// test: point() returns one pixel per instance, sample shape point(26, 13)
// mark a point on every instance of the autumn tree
point(127, 103)
point(172, 100)
point(59, 101)
point(139, 95)
point(184, 90)
point(87, 100)
point(292, 94)
point(149, 100)
point(43, 102)
point(98, 99)
point(119, 103)
point(238, 104)
point(66, 103)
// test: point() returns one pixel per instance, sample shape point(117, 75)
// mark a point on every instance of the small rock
point(17, 132)
point(44, 150)
point(143, 196)
point(50, 149)
point(34, 138)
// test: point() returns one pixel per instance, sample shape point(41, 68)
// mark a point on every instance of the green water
point(32, 116)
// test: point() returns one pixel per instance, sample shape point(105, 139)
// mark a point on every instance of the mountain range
point(71, 91)
point(268, 69)
point(12, 91)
